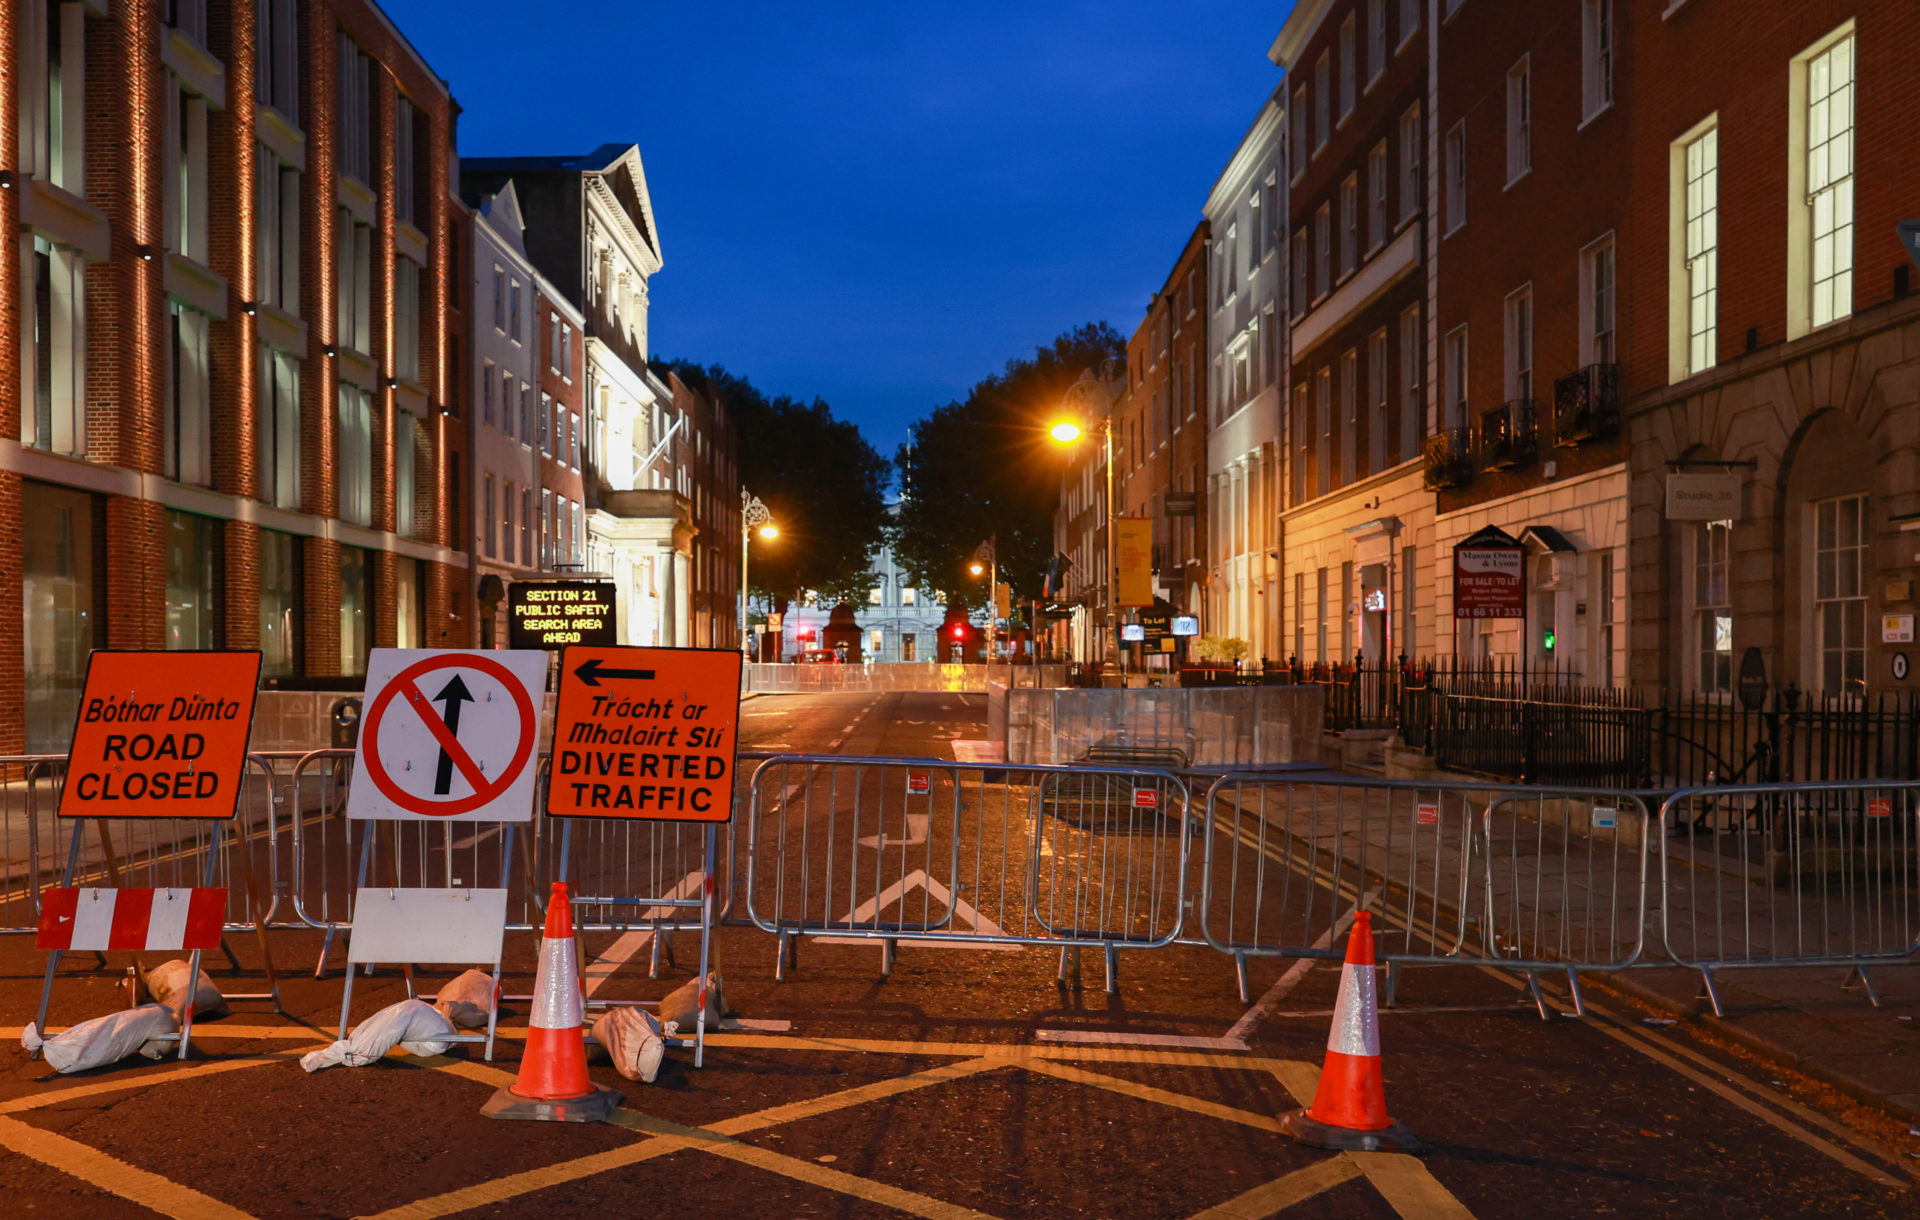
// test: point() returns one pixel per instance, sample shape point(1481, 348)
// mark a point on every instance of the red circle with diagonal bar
point(406, 682)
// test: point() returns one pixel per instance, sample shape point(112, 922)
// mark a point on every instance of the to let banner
point(1133, 539)
point(1490, 576)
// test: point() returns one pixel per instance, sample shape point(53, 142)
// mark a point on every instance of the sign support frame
point(371, 833)
point(185, 1035)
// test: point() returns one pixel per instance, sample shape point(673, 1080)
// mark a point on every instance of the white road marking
point(916, 833)
point(622, 950)
point(470, 840)
point(1236, 1037)
point(1291, 979)
point(1098, 1037)
point(962, 909)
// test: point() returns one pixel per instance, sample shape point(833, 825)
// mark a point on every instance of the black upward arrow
point(455, 693)
point(591, 671)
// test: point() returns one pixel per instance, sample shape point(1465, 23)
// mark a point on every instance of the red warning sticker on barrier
point(1879, 807)
point(1146, 798)
point(919, 783)
point(1426, 815)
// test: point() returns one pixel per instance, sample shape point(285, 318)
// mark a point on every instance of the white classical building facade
point(591, 231)
point(1246, 212)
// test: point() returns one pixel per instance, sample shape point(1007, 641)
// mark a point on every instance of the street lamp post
point(753, 513)
point(1084, 406)
point(986, 554)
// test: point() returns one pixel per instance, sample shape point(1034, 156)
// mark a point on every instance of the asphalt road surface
point(960, 1082)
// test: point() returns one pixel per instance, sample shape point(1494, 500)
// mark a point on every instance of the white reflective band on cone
point(556, 990)
point(1356, 1028)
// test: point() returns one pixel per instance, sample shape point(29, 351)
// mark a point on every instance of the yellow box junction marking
point(111, 1174)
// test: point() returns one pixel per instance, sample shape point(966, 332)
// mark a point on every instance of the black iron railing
point(1508, 437)
point(1448, 456)
point(1586, 405)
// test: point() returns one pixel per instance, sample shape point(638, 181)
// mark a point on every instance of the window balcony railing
point(1586, 405)
point(1448, 456)
point(1508, 437)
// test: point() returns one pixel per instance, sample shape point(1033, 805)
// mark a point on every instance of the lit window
point(1712, 606)
point(1840, 592)
point(1830, 180)
point(1701, 221)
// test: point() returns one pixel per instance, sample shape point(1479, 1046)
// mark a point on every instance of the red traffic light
point(959, 632)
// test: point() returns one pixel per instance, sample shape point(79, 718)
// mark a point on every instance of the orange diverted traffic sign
point(161, 735)
point(645, 733)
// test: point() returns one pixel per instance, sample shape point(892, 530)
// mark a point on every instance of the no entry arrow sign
point(448, 735)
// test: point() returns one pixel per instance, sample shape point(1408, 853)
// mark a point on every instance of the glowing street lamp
point(753, 514)
point(1086, 400)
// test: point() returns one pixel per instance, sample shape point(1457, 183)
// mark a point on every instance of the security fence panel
point(1791, 875)
point(892, 850)
point(1526, 879)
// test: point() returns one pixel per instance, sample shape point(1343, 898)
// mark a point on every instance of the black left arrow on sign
point(591, 671)
point(455, 693)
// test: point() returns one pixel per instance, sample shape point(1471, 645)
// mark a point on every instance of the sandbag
point(467, 1000)
point(107, 1039)
point(412, 1025)
point(683, 1003)
point(167, 984)
point(633, 1040)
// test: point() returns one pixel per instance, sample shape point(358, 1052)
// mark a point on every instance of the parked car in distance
point(816, 656)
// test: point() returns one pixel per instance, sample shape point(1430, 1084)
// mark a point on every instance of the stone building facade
point(1246, 383)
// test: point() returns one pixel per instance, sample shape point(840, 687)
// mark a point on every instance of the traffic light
point(1546, 640)
point(959, 631)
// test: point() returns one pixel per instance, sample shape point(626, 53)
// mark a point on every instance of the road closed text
point(161, 735)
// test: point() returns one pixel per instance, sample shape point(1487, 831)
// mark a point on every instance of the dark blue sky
point(878, 203)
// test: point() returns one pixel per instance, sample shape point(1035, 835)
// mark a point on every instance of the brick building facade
point(224, 293)
point(1161, 454)
point(1531, 107)
point(705, 452)
point(1357, 526)
point(1770, 340)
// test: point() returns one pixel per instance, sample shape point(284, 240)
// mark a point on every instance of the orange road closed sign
point(161, 735)
point(645, 733)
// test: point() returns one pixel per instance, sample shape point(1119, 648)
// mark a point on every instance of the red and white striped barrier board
point(81, 918)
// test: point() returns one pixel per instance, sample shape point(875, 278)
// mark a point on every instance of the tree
point(984, 469)
point(823, 481)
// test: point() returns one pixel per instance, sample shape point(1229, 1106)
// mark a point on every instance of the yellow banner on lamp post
point(1133, 540)
point(1003, 600)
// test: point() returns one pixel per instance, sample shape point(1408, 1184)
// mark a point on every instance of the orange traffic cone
point(553, 1083)
point(1349, 1111)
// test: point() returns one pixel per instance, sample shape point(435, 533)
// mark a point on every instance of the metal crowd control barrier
point(885, 850)
point(29, 847)
point(1823, 874)
point(1532, 880)
point(133, 852)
